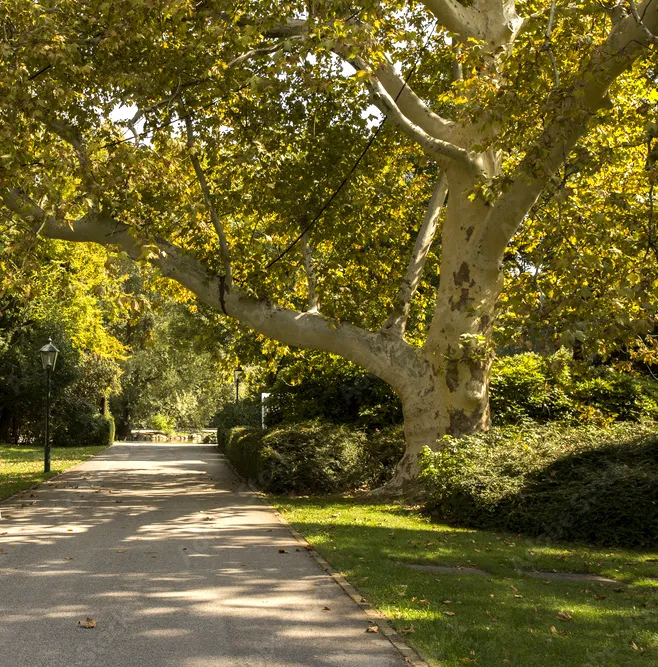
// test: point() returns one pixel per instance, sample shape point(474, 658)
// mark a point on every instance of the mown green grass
point(22, 466)
point(504, 618)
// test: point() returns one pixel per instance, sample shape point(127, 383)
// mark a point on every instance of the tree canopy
point(233, 146)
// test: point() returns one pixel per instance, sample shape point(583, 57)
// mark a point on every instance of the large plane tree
point(205, 136)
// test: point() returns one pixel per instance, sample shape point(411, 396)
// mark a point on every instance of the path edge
point(410, 655)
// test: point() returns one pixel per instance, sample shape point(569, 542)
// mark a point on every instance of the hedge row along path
point(159, 555)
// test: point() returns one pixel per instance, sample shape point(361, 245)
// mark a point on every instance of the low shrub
point(246, 412)
point(83, 429)
point(340, 392)
point(593, 484)
point(532, 387)
point(313, 457)
point(242, 446)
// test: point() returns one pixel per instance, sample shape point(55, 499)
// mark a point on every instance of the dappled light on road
point(176, 562)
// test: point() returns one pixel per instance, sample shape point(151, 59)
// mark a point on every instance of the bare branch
point(413, 107)
point(397, 320)
point(650, 35)
point(442, 151)
point(311, 275)
point(73, 136)
point(223, 245)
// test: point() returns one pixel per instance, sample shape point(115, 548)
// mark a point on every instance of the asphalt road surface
point(177, 563)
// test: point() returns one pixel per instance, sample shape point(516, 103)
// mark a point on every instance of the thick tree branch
point(198, 170)
point(571, 113)
point(397, 320)
point(415, 109)
point(442, 151)
point(492, 21)
point(382, 355)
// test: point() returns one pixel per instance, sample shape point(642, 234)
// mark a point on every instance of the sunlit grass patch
point(22, 466)
point(505, 615)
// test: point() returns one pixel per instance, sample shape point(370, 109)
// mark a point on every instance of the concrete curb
point(410, 656)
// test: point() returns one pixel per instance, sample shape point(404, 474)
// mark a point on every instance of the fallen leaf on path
point(373, 628)
point(87, 623)
point(600, 597)
point(308, 547)
point(325, 608)
point(565, 616)
point(450, 601)
point(68, 558)
point(2, 552)
point(635, 647)
point(449, 613)
point(518, 596)
point(69, 530)
point(409, 630)
point(283, 551)
point(206, 518)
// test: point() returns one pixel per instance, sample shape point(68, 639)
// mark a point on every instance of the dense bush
point(78, 424)
point(338, 392)
point(246, 412)
point(529, 386)
point(313, 457)
point(523, 387)
point(594, 484)
point(533, 387)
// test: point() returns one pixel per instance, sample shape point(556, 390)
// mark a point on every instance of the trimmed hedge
point(312, 457)
point(592, 484)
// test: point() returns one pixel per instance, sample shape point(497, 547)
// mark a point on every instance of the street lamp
point(237, 374)
point(48, 358)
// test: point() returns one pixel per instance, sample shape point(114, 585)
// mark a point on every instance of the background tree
point(233, 101)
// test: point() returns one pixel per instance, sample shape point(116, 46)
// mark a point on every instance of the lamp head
point(49, 355)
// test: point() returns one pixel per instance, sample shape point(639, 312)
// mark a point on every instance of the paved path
point(177, 562)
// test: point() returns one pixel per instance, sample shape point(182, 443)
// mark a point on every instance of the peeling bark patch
point(452, 375)
point(463, 424)
point(462, 276)
point(469, 233)
point(477, 370)
point(462, 303)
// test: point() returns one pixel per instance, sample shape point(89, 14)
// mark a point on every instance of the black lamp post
point(48, 358)
point(237, 374)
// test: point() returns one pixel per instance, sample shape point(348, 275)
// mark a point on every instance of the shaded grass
point(22, 466)
point(504, 618)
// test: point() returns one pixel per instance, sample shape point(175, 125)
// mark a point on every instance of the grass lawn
point(22, 466)
point(503, 618)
